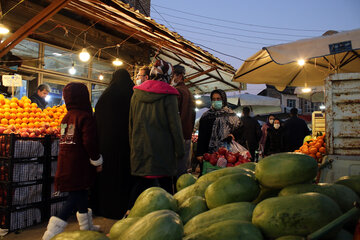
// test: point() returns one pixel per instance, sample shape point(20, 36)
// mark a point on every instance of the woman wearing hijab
point(216, 125)
point(269, 123)
point(112, 117)
point(156, 138)
point(275, 139)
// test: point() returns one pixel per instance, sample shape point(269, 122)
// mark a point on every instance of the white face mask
point(276, 126)
point(271, 121)
point(138, 82)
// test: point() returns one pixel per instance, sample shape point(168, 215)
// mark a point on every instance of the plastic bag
point(235, 147)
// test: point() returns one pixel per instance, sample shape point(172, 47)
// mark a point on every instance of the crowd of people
point(140, 137)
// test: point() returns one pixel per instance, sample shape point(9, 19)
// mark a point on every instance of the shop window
point(55, 96)
point(291, 103)
point(21, 91)
point(103, 68)
point(60, 60)
point(28, 51)
point(96, 91)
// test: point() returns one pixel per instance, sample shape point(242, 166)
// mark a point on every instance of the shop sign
point(12, 80)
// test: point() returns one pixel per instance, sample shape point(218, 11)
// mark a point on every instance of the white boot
point(54, 227)
point(85, 221)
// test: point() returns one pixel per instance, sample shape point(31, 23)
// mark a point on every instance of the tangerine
point(4, 121)
point(313, 150)
point(322, 150)
point(34, 105)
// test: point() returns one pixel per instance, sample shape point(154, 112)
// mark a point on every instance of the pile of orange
point(315, 148)
point(23, 114)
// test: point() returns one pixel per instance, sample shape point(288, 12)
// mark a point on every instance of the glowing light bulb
point(301, 62)
point(322, 107)
point(238, 114)
point(72, 70)
point(198, 102)
point(306, 90)
point(117, 62)
point(3, 29)
point(101, 77)
point(196, 109)
point(47, 98)
point(197, 96)
point(84, 56)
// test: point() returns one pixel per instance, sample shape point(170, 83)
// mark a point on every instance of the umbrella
point(279, 65)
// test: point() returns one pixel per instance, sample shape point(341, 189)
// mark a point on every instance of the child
point(78, 160)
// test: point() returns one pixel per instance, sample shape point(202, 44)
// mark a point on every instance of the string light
point(322, 107)
point(301, 62)
point(84, 56)
point(198, 102)
point(197, 96)
point(101, 77)
point(117, 62)
point(3, 29)
point(72, 70)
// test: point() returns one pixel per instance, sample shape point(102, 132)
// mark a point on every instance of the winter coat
point(114, 183)
point(35, 98)
point(187, 110)
point(250, 133)
point(156, 139)
point(274, 141)
point(295, 130)
point(78, 142)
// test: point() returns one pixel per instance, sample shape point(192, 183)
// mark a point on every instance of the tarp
point(278, 65)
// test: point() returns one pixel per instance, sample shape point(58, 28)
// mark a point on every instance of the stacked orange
point(24, 114)
point(315, 148)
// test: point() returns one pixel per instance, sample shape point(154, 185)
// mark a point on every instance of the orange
point(31, 125)
point(18, 126)
point(25, 120)
point(7, 101)
point(20, 110)
point(34, 105)
point(312, 155)
point(26, 105)
point(21, 103)
point(7, 115)
point(318, 145)
point(12, 115)
point(13, 105)
point(37, 124)
point(26, 100)
point(33, 109)
point(1, 115)
point(4, 121)
point(24, 125)
point(2, 110)
point(322, 150)
point(321, 142)
point(26, 114)
point(18, 121)
point(6, 106)
point(313, 150)
point(305, 150)
point(38, 110)
point(318, 155)
point(19, 115)
point(32, 114)
point(14, 99)
point(31, 120)
point(12, 121)
point(13, 110)
point(27, 109)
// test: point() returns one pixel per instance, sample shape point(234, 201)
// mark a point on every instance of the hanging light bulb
point(3, 29)
point(72, 70)
point(117, 62)
point(84, 56)
point(306, 90)
point(197, 96)
point(101, 77)
point(301, 62)
point(198, 102)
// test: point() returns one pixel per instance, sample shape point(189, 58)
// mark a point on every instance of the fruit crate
point(13, 146)
point(21, 217)
point(21, 170)
point(56, 206)
point(21, 193)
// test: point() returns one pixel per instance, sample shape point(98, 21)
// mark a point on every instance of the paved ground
point(36, 232)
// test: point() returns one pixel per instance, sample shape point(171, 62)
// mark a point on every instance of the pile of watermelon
point(225, 158)
point(272, 199)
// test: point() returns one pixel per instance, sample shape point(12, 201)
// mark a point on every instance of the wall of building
point(142, 5)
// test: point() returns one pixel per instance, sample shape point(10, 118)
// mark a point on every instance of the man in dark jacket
point(295, 130)
point(187, 115)
point(250, 132)
point(39, 96)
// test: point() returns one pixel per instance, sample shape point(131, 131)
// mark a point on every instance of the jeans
point(77, 200)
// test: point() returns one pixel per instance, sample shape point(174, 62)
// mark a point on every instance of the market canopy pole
point(32, 25)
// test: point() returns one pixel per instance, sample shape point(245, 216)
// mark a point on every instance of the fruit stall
point(28, 157)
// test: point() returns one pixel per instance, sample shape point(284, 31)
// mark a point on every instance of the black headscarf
point(112, 118)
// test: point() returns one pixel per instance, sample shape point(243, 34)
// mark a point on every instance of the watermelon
point(284, 169)
point(197, 189)
point(352, 182)
point(184, 181)
point(299, 214)
point(152, 199)
point(80, 235)
point(249, 165)
point(121, 226)
point(343, 235)
point(231, 188)
point(228, 229)
point(158, 225)
point(192, 207)
point(215, 175)
point(265, 193)
point(232, 211)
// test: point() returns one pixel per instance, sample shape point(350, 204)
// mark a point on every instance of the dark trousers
point(77, 200)
point(141, 184)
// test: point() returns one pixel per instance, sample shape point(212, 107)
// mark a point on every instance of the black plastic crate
point(22, 217)
point(21, 194)
point(53, 167)
point(16, 147)
point(21, 170)
point(56, 206)
point(55, 147)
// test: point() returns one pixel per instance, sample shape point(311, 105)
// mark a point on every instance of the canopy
point(278, 65)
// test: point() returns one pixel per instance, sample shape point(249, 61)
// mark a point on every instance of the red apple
point(213, 159)
point(2, 129)
point(7, 131)
point(37, 132)
point(230, 157)
point(207, 156)
point(237, 163)
point(24, 134)
point(32, 135)
point(49, 131)
point(229, 165)
point(12, 128)
point(222, 151)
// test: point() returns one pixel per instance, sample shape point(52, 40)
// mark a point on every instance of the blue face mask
point(216, 104)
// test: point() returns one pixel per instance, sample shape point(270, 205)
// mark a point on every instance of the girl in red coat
point(78, 160)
